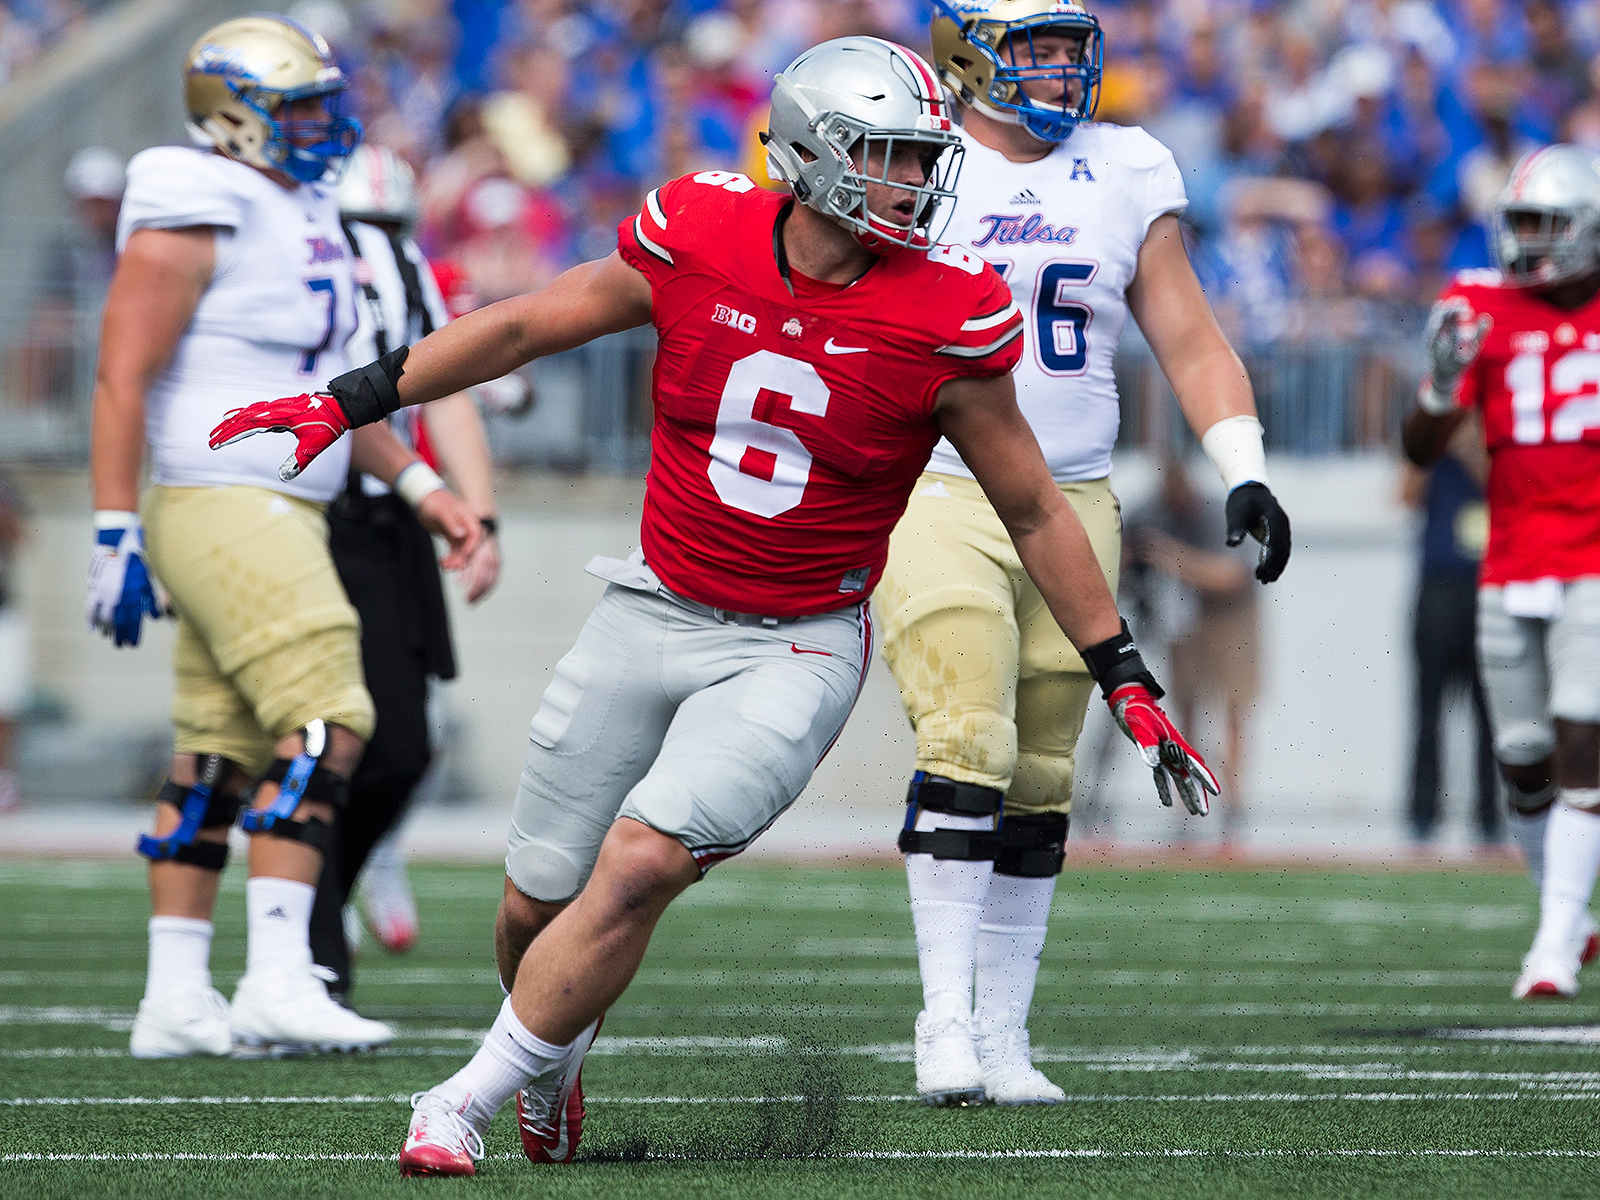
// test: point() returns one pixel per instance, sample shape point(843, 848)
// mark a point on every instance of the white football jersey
point(273, 321)
point(1065, 233)
point(389, 315)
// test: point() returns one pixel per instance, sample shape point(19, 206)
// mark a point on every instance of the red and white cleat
point(1590, 939)
point(550, 1110)
point(440, 1141)
point(1545, 978)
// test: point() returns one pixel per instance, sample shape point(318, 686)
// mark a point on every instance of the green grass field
point(1225, 1034)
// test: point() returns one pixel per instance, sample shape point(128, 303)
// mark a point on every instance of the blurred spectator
point(13, 645)
point(1213, 658)
point(1454, 531)
point(77, 270)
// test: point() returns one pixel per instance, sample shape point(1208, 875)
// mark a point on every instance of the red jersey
point(1535, 380)
point(790, 428)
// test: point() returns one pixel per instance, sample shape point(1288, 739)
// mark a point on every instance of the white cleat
point(280, 1013)
point(440, 1141)
point(947, 1064)
point(1546, 977)
point(182, 1023)
point(386, 900)
point(1009, 1076)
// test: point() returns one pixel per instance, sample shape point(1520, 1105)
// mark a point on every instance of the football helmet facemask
point(1545, 227)
point(843, 114)
point(238, 80)
point(985, 52)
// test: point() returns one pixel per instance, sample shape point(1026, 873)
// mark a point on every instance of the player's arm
point(981, 418)
point(153, 296)
point(456, 431)
point(376, 451)
point(979, 415)
point(1452, 338)
point(1212, 387)
point(582, 304)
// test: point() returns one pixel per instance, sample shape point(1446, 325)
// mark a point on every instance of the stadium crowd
point(1340, 158)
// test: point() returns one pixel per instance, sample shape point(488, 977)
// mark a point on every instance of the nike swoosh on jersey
point(833, 347)
point(798, 650)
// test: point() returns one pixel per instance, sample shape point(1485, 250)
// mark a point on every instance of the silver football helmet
point(1546, 221)
point(378, 185)
point(841, 97)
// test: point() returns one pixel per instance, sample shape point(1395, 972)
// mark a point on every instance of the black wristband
point(491, 525)
point(1116, 661)
point(370, 393)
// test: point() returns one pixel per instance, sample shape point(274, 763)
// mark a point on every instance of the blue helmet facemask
point(328, 138)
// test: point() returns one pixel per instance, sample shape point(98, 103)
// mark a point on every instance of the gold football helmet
point(984, 52)
point(239, 76)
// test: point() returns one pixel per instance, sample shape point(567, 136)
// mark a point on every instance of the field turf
point(1226, 1034)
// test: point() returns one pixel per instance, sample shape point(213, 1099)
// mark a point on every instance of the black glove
point(1253, 509)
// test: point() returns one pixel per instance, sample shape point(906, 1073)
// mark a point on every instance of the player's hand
point(1452, 339)
point(316, 419)
point(121, 592)
point(511, 395)
point(1254, 510)
point(443, 512)
point(1173, 761)
point(482, 571)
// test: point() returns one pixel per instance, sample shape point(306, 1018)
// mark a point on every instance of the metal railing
point(595, 411)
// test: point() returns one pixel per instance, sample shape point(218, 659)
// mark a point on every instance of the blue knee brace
point(203, 807)
point(301, 778)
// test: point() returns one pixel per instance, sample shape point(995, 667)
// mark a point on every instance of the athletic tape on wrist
point(1235, 448)
point(1117, 661)
point(416, 482)
point(1434, 402)
point(110, 518)
point(369, 394)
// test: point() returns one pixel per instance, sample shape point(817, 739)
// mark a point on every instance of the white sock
point(180, 955)
point(1010, 940)
point(947, 896)
point(1528, 833)
point(1571, 861)
point(508, 1060)
point(279, 912)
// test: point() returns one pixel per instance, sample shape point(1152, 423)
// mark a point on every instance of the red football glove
point(1163, 749)
point(316, 419)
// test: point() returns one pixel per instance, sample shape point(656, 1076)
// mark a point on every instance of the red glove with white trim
point(1163, 748)
point(318, 419)
point(1132, 692)
point(315, 418)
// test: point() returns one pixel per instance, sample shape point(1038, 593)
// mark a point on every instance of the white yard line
point(1107, 1098)
point(849, 1155)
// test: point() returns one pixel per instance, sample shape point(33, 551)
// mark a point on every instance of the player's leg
point(1516, 684)
point(1431, 655)
point(947, 607)
point(1572, 842)
point(754, 720)
point(249, 569)
point(374, 573)
point(1053, 697)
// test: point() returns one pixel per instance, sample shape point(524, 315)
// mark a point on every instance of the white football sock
point(180, 955)
point(1010, 941)
point(1528, 832)
point(279, 912)
point(947, 897)
point(508, 1060)
point(1571, 861)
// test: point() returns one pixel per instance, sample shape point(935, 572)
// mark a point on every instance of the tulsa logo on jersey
point(1010, 229)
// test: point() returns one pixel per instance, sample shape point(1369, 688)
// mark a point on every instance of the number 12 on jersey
point(1061, 324)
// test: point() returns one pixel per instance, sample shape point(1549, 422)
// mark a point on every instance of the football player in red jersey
point(811, 354)
point(1522, 346)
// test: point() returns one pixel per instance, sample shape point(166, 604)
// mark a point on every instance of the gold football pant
point(267, 641)
point(995, 691)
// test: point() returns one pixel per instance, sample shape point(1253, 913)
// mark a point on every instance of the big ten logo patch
point(734, 319)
